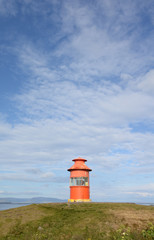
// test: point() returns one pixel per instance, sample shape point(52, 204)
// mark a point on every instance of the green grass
point(80, 221)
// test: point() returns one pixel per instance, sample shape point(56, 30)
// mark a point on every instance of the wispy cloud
point(1, 192)
point(105, 45)
point(8, 8)
point(145, 190)
point(44, 177)
point(142, 194)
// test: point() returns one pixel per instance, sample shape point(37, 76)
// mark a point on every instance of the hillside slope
point(78, 222)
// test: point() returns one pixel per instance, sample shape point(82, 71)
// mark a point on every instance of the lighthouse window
point(79, 181)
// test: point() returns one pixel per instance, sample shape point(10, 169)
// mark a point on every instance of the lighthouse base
point(79, 200)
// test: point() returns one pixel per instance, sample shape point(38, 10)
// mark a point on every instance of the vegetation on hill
point(80, 221)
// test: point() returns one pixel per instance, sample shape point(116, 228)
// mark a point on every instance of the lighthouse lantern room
point(79, 181)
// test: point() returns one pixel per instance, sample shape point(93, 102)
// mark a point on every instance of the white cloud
point(141, 190)
point(147, 83)
point(47, 175)
point(18, 175)
point(142, 194)
point(1, 192)
point(146, 187)
point(48, 141)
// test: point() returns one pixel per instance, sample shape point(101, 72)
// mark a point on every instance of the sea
point(5, 206)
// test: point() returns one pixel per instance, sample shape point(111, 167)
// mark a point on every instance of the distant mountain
point(31, 200)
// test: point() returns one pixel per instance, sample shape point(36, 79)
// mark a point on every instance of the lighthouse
point(79, 181)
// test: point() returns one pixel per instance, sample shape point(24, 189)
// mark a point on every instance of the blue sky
point(77, 79)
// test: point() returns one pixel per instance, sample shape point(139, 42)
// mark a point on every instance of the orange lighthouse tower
point(79, 181)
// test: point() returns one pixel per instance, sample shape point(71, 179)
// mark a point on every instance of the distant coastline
point(146, 204)
point(8, 203)
point(30, 200)
point(7, 206)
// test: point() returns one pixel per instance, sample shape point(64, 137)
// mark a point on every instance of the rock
point(40, 228)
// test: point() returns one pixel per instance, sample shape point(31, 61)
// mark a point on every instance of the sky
point(77, 80)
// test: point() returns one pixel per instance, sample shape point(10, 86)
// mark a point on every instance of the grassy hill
point(80, 221)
